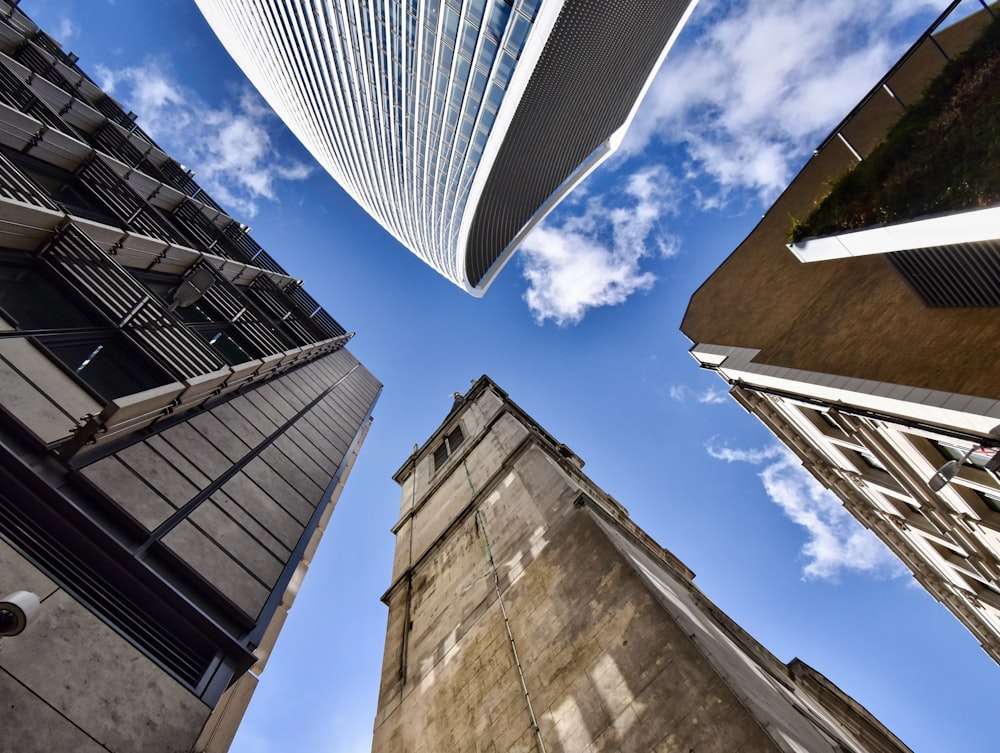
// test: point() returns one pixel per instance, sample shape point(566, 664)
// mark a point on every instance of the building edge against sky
point(843, 356)
point(528, 612)
point(457, 126)
point(178, 418)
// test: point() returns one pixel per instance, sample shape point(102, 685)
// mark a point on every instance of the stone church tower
point(527, 612)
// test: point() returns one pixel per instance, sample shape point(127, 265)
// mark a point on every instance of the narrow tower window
point(451, 441)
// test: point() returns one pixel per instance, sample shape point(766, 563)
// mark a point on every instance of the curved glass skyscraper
point(456, 124)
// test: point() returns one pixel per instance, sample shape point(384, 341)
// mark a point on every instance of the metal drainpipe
point(481, 527)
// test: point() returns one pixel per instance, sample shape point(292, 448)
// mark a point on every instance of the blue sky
point(581, 330)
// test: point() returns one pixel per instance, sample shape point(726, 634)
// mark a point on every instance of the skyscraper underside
point(457, 125)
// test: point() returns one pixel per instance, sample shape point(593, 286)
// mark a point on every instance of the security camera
point(16, 611)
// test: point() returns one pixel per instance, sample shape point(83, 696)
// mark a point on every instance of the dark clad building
point(177, 420)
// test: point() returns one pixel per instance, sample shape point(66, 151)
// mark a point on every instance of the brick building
point(871, 353)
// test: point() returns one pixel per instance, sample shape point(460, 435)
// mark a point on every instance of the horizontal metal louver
point(42, 63)
point(281, 309)
point(302, 299)
point(130, 208)
point(200, 227)
point(248, 320)
point(328, 324)
point(17, 94)
point(175, 175)
point(241, 242)
point(264, 260)
point(51, 46)
point(142, 317)
point(966, 274)
point(204, 198)
point(110, 139)
point(110, 109)
point(137, 131)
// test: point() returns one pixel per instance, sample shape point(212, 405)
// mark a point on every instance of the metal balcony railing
point(44, 65)
point(17, 94)
point(109, 138)
point(120, 297)
point(128, 206)
point(14, 185)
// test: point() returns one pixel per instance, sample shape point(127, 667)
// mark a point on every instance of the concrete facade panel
point(156, 471)
point(32, 726)
point(190, 443)
point(182, 463)
point(293, 472)
point(107, 688)
point(223, 438)
point(32, 407)
point(239, 422)
point(129, 491)
point(301, 459)
point(35, 367)
point(314, 444)
point(265, 404)
point(264, 509)
point(237, 542)
point(250, 525)
point(17, 574)
point(210, 561)
point(278, 489)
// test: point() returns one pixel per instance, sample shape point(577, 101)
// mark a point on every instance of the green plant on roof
point(943, 154)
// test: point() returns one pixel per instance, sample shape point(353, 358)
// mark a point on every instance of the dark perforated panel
point(589, 75)
point(966, 274)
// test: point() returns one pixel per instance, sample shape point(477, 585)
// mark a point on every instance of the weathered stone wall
point(601, 660)
point(619, 651)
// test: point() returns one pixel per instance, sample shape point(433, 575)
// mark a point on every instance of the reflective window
point(73, 334)
point(518, 34)
point(497, 21)
point(450, 30)
point(505, 68)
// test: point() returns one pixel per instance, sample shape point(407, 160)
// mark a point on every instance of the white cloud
point(836, 542)
point(755, 84)
point(64, 29)
point(747, 94)
point(594, 258)
point(229, 147)
point(713, 396)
